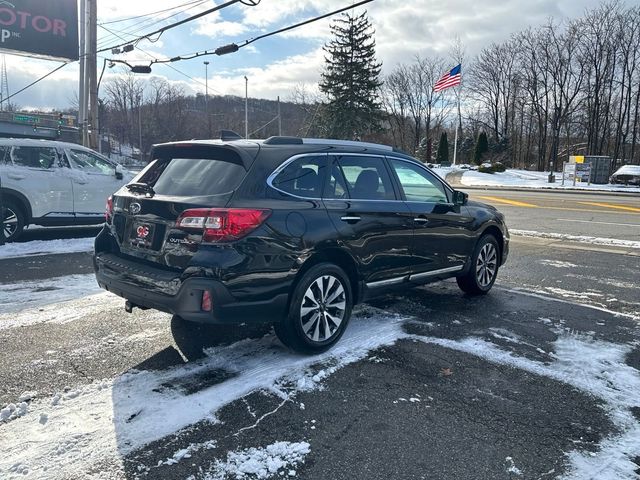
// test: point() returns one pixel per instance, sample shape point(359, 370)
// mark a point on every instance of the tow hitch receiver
point(129, 306)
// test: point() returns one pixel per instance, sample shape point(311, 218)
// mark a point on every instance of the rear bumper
point(154, 288)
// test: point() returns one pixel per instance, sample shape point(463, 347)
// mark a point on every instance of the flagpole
point(458, 121)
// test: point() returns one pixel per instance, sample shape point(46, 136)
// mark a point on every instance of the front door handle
point(14, 176)
point(350, 218)
point(421, 220)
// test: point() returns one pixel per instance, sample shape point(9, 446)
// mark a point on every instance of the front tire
point(483, 270)
point(13, 222)
point(319, 310)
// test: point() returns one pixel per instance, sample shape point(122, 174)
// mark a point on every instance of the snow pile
point(612, 242)
point(527, 179)
point(15, 297)
point(46, 247)
point(13, 411)
point(261, 463)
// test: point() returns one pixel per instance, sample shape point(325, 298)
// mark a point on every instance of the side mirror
point(460, 198)
point(119, 172)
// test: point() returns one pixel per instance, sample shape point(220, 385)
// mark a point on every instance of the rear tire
point(483, 270)
point(13, 222)
point(319, 310)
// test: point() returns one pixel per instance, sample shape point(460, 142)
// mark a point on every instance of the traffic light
point(60, 123)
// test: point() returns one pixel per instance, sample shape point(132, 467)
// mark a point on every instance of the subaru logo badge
point(135, 208)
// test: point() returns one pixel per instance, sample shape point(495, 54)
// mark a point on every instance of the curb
point(619, 193)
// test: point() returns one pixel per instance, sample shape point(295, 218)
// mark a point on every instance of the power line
point(185, 74)
point(160, 31)
point(152, 13)
point(134, 30)
point(235, 47)
point(38, 80)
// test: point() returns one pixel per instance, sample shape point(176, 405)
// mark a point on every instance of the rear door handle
point(421, 220)
point(13, 176)
point(350, 218)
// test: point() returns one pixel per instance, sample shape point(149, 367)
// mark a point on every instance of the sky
point(277, 65)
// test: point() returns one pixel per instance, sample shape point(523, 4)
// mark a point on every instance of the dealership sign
point(40, 28)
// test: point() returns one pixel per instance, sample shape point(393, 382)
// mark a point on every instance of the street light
point(206, 97)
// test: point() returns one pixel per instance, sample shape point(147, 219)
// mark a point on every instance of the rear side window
point(35, 157)
point(302, 177)
point(365, 178)
point(192, 177)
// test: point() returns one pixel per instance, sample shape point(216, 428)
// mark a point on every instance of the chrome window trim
point(284, 165)
point(275, 173)
point(434, 273)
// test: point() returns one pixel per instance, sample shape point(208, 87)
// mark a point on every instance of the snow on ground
point(527, 179)
point(99, 423)
point(612, 242)
point(442, 172)
point(76, 430)
point(62, 312)
point(261, 463)
point(558, 264)
point(46, 247)
point(15, 297)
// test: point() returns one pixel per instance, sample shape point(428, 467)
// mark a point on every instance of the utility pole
point(279, 119)
point(82, 104)
point(140, 127)
point(206, 97)
point(93, 72)
point(246, 107)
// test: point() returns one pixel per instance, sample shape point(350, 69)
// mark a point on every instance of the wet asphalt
point(418, 409)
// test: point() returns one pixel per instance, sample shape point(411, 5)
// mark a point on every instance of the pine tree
point(443, 149)
point(482, 147)
point(351, 79)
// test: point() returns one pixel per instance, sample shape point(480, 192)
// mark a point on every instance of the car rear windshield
point(191, 177)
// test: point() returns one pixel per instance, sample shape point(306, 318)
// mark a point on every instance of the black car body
point(229, 231)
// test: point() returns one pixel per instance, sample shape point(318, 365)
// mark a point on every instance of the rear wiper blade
point(141, 188)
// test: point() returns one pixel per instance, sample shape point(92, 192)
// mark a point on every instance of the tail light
point(109, 209)
point(222, 224)
point(207, 301)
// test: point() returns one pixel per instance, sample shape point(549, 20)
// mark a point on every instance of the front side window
point(366, 178)
point(89, 162)
point(35, 157)
point(418, 184)
point(302, 177)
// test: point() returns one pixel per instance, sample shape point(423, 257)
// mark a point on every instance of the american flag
point(449, 79)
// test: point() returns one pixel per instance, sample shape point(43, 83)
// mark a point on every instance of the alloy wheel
point(9, 223)
point(323, 308)
point(487, 265)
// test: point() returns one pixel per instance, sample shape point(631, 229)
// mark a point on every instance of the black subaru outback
point(289, 231)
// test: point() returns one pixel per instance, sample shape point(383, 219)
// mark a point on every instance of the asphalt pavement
point(538, 379)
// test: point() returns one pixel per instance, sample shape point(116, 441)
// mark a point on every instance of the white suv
point(54, 183)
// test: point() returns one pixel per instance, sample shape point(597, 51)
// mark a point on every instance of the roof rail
point(283, 141)
point(345, 143)
point(276, 140)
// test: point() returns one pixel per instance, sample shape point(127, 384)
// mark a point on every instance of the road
point(538, 379)
point(571, 213)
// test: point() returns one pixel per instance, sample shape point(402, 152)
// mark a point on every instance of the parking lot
point(538, 379)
